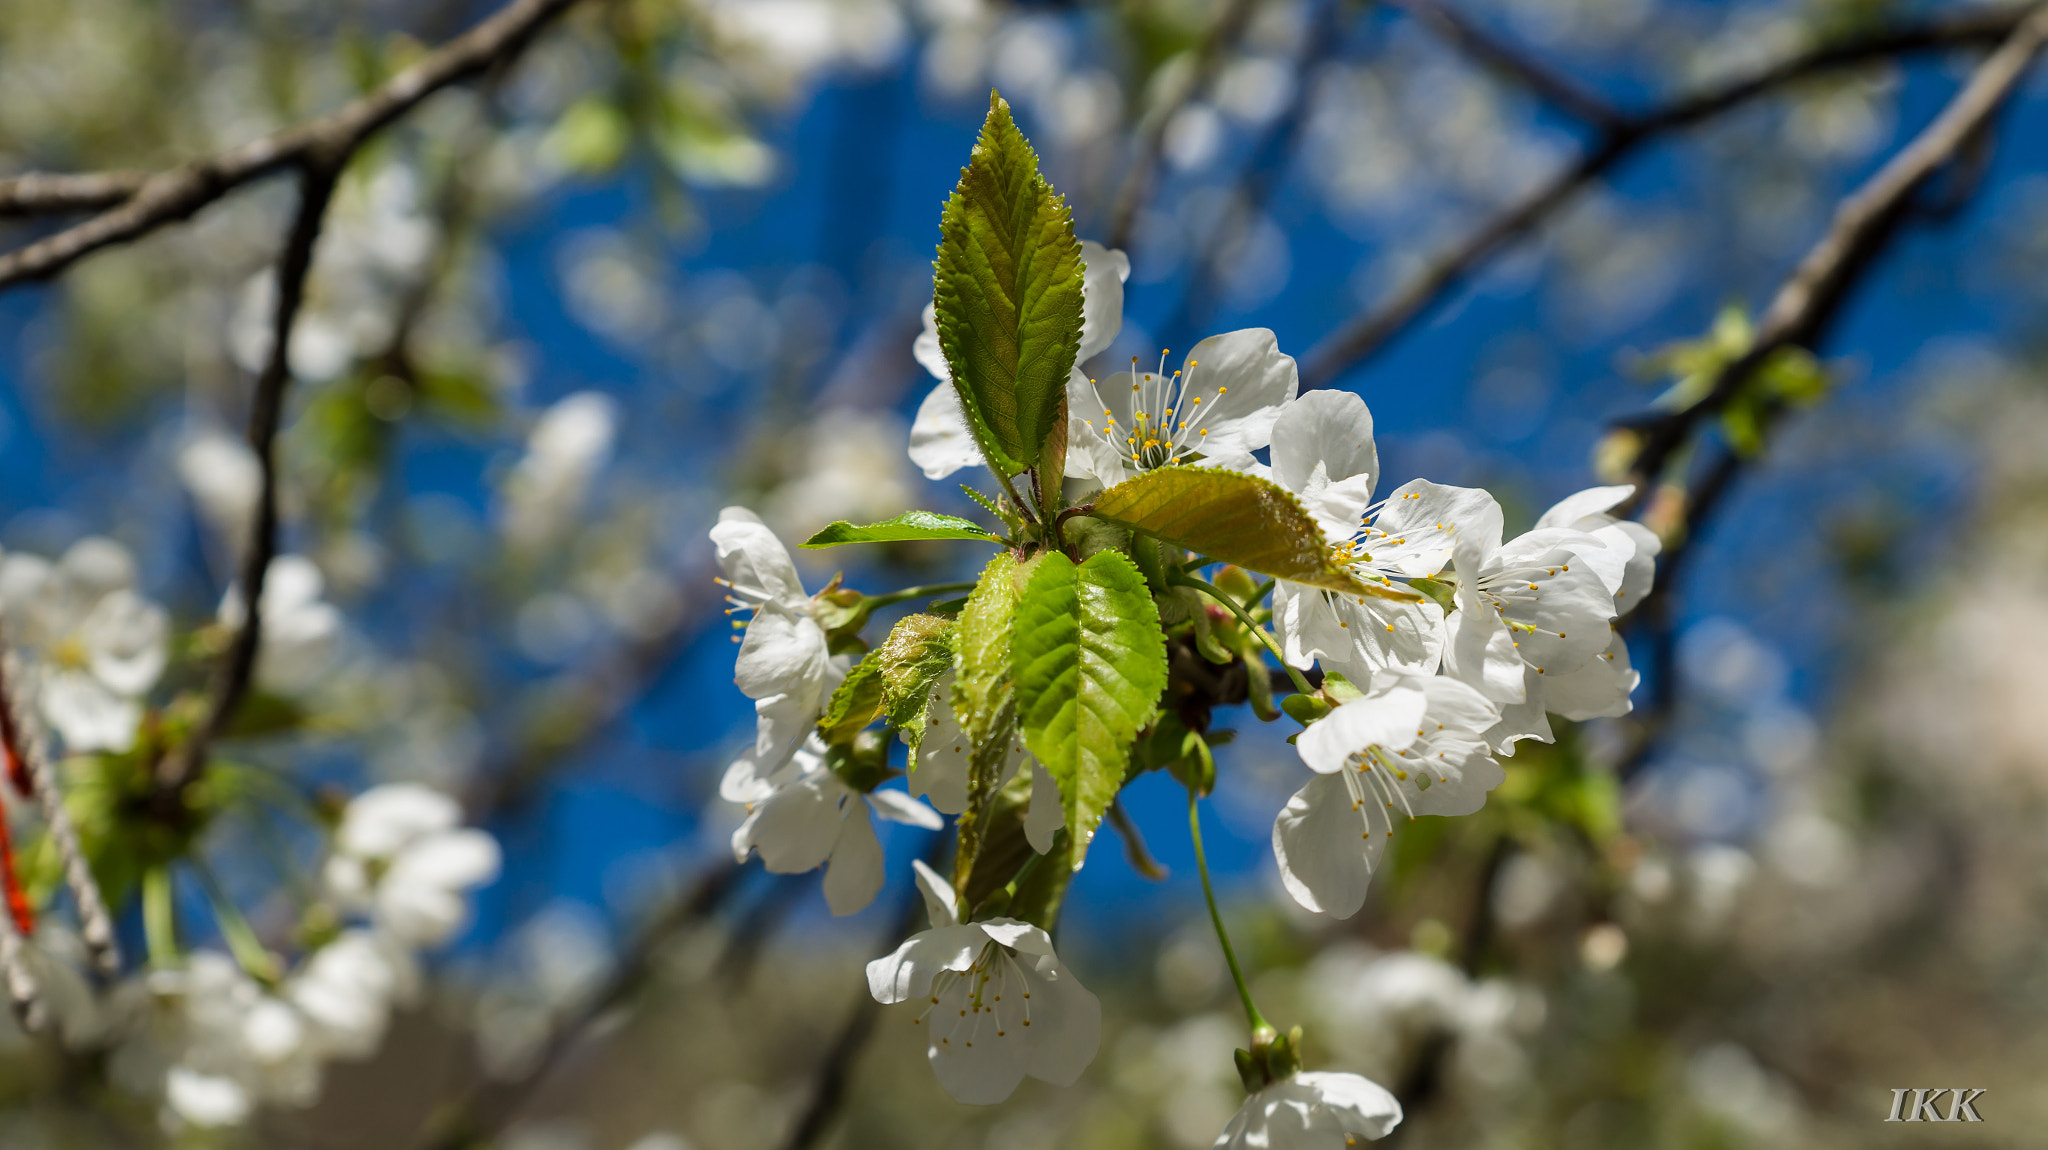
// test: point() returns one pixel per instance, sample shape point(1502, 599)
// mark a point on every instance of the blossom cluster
point(1452, 644)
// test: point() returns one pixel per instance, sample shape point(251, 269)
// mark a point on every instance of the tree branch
point(1861, 224)
point(487, 1106)
point(1464, 34)
point(320, 150)
point(1368, 333)
point(1864, 225)
point(1138, 183)
point(51, 193)
point(175, 194)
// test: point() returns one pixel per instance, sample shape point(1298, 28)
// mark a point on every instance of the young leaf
point(1089, 660)
point(1234, 518)
point(909, 525)
point(982, 696)
point(1007, 292)
point(856, 703)
point(918, 650)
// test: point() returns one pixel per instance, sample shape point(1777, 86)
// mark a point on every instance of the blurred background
point(673, 257)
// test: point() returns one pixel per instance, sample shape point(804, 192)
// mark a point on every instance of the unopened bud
point(1305, 709)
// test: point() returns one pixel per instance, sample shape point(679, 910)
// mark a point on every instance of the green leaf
point(856, 703)
point(1232, 517)
point(909, 525)
point(918, 650)
point(1089, 660)
point(1007, 291)
point(982, 695)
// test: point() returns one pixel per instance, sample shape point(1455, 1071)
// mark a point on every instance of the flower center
point(71, 654)
point(1167, 417)
point(990, 999)
point(1373, 777)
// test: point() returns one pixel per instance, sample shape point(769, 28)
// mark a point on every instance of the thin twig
point(266, 413)
point(1553, 88)
point(1864, 224)
point(1137, 183)
point(320, 150)
point(53, 193)
point(1371, 331)
point(177, 193)
point(1809, 296)
point(1264, 168)
point(828, 1089)
point(486, 1107)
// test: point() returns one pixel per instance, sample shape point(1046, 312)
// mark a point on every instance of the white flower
point(1312, 1110)
point(1415, 747)
point(225, 479)
point(1217, 409)
point(999, 1002)
point(213, 1042)
point(569, 444)
point(1538, 608)
point(299, 627)
point(802, 816)
point(347, 989)
point(401, 855)
point(1323, 452)
point(940, 441)
point(98, 646)
point(943, 758)
point(783, 664)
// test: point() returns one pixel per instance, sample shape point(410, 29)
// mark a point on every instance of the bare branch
point(1138, 183)
point(485, 1108)
point(266, 412)
point(176, 194)
point(52, 193)
point(1369, 332)
point(1864, 224)
point(1860, 225)
point(1551, 87)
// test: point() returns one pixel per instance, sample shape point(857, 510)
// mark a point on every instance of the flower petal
point(854, 875)
point(782, 654)
point(1046, 815)
point(940, 441)
point(1359, 1105)
point(1331, 428)
point(1567, 512)
point(898, 807)
point(1066, 1023)
point(1325, 852)
point(907, 972)
point(939, 896)
point(1102, 299)
point(1247, 380)
point(1422, 524)
point(1387, 718)
point(756, 562)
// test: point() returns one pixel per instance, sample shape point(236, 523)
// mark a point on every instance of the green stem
point(916, 593)
point(1244, 991)
point(159, 918)
point(235, 930)
point(1217, 593)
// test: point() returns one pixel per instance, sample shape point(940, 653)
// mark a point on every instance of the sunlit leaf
point(1233, 517)
point(909, 525)
point(1089, 662)
point(1008, 295)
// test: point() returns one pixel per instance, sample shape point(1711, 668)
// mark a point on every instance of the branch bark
point(1861, 224)
point(1138, 184)
point(1371, 331)
point(320, 151)
point(52, 193)
point(169, 196)
point(1554, 88)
